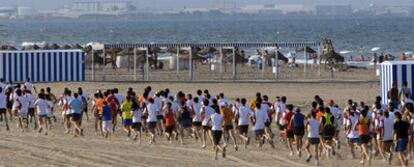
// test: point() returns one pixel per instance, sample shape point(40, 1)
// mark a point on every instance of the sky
point(177, 4)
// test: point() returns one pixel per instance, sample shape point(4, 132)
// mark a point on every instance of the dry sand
point(59, 149)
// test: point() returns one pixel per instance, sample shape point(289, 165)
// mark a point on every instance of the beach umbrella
point(11, 48)
point(374, 49)
point(77, 46)
point(54, 46)
point(307, 48)
point(32, 47)
point(66, 47)
point(208, 50)
point(46, 47)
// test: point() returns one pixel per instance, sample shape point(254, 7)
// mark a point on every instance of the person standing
point(393, 95)
point(401, 129)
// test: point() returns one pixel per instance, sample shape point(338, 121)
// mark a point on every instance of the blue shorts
point(127, 122)
point(152, 125)
point(186, 123)
point(401, 145)
point(43, 116)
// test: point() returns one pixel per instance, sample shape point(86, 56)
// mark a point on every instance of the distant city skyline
point(179, 4)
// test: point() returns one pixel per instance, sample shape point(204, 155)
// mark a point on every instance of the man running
point(217, 121)
point(126, 109)
point(298, 124)
point(228, 116)
point(185, 120)
point(401, 129)
point(42, 108)
point(328, 129)
point(136, 120)
point(151, 112)
point(363, 125)
point(206, 112)
point(258, 120)
point(313, 127)
point(243, 114)
point(76, 109)
point(106, 115)
point(3, 108)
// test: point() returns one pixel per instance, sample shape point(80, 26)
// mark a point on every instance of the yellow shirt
point(126, 109)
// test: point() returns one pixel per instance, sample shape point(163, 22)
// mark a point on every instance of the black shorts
point(169, 129)
point(68, 116)
point(364, 139)
point(151, 125)
point(268, 123)
point(85, 109)
point(259, 132)
point(243, 129)
point(228, 127)
point(9, 106)
point(299, 131)
point(290, 134)
point(314, 141)
point(160, 117)
point(197, 124)
point(206, 127)
point(217, 136)
point(97, 116)
point(3, 111)
point(353, 140)
point(281, 127)
point(31, 112)
point(136, 126)
point(76, 117)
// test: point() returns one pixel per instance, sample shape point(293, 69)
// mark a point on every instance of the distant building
point(79, 9)
point(333, 10)
point(7, 12)
point(278, 8)
point(26, 12)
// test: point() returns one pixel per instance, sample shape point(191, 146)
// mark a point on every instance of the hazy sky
point(176, 4)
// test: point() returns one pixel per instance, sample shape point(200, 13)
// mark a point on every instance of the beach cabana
point(395, 71)
point(42, 65)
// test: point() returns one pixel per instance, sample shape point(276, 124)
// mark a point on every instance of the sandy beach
point(59, 149)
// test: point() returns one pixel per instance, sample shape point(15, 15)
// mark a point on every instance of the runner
point(66, 113)
point(160, 115)
point(170, 121)
point(76, 109)
point(258, 120)
point(3, 106)
point(136, 120)
point(206, 112)
point(21, 108)
point(9, 102)
point(54, 100)
point(31, 112)
point(338, 119)
point(328, 131)
point(42, 110)
point(363, 125)
point(267, 106)
point(401, 129)
point(151, 114)
point(228, 117)
point(185, 120)
point(289, 128)
point(217, 121)
point(106, 115)
point(388, 136)
point(85, 101)
point(298, 121)
point(279, 117)
point(126, 109)
point(313, 127)
point(114, 103)
point(243, 114)
point(97, 104)
point(196, 112)
point(351, 132)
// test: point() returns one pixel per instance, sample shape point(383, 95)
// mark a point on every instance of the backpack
point(298, 121)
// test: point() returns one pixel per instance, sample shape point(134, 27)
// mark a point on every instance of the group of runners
point(375, 130)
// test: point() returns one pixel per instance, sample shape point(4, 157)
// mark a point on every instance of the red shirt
point(288, 117)
point(113, 102)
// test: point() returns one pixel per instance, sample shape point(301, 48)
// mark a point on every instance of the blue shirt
point(106, 113)
point(76, 106)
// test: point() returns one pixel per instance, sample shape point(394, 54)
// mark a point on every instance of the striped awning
point(214, 45)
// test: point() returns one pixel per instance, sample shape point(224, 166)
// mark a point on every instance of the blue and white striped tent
point(43, 65)
point(398, 71)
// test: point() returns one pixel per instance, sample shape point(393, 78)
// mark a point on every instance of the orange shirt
point(169, 118)
point(319, 116)
point(227, 115)
point(99, 105)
